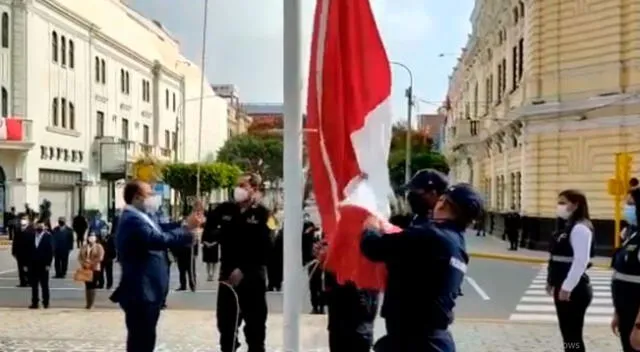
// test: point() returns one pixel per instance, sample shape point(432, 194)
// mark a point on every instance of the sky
point(244, 42)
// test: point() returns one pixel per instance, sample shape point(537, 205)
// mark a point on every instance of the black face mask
point(417, 203)
point(61, 223)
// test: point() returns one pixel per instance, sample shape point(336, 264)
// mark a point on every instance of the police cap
point(467, 200)
point(428, 180)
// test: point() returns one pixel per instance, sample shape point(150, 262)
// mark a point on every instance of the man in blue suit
point(141, 245)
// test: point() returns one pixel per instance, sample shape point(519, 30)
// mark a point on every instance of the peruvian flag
point(349, 120)
point(10, 129)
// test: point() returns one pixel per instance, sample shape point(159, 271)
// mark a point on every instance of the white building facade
point(94, 84)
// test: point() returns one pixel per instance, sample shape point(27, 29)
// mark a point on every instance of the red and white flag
point(10, 129)
point(349, 119)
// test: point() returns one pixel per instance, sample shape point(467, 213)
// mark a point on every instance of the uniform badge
point(226, 217)
point(252, 220)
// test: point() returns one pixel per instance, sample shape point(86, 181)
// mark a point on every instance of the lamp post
point(202, 65)
point(409, 96)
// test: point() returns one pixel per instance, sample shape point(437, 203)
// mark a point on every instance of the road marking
point(595, 320)
point(543, 292)
point(550, 308)
point(595, 287)
point(477, 287)
point(550, 300)
point(8, 271)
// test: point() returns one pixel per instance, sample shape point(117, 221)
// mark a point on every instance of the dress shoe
point(34, 306)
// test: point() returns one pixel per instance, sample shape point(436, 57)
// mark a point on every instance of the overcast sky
point(244, 45)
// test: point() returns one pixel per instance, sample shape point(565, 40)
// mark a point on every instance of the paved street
point(193, 331)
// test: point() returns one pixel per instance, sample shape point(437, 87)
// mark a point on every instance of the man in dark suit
point(20, 248)
point(141, 247)
point(39, 262)
point(62, 244)
point(80, 226)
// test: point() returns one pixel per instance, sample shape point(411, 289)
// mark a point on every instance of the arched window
point(126, 75)
point(103, 71)
point(521, 5)
point(63, 50)
point(72, 62)
point(54, 46)
point(63, 112)
point(97, 68)
point(5, 30)
point(516, 15)
point(72, 116)
point(5, 102)
point(122, 80)
point(54, 112)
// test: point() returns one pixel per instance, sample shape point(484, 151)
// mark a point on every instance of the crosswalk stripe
point(595, 287)
point(547, 299)
point(544, 293)
point(551, 308)
point(589, 319)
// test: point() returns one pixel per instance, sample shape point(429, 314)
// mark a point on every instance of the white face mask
point(240, 194)
point(563, 212)
point(24, 223)
point(151, 204)
point(92, 239)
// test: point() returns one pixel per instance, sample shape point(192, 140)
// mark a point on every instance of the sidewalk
point(491, 247)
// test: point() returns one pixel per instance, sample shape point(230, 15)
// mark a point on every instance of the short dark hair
point(633, 182)
point(131, 190)
point(255, 180)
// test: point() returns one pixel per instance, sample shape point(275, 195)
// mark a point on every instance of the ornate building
point(543, 96)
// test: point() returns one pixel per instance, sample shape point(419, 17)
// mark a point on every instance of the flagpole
point(293, 177)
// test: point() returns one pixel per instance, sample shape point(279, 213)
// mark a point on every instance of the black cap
point(428, 180)
point(468, 201)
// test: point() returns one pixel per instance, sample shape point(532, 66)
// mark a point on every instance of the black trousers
point(403, 337)
point(79, 239)
point(571, 316)
point(513, 239)
point(141, 320)
point(349, 340)
point(23, 275)
point(315, 289)
point(252, 301)
point(12, 231)
point(626, 301)
point(61, 263)
point(106, 272)
point(185, 267)
point(39, 279)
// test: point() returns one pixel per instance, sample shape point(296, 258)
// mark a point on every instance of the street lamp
point(202, 65)
point(409, 96)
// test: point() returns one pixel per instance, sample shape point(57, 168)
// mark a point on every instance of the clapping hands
point(196, 219)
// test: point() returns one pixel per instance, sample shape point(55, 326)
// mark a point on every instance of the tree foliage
point(183, 177)
point(147, 168)
point(422, 155)
point(261, 154)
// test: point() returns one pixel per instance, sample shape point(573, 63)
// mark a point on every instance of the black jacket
point(41, 256)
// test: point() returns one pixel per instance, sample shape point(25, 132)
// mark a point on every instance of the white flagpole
point(293, 177)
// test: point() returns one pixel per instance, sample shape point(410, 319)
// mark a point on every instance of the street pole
point(409, 95)
point(203, 69)
point(293, 176)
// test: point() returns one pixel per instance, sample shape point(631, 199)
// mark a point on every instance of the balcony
point(146, 149)
point(18, 135)
point(466, 132)
point(165, 153)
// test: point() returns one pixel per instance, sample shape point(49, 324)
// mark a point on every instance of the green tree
point(261, 154)
point(183, 178)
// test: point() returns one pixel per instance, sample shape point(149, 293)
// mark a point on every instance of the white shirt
point(580, 238)
point(38, 238)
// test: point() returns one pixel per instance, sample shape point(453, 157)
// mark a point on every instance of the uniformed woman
point(570, 254)
point(625, 284)
point(426, 264)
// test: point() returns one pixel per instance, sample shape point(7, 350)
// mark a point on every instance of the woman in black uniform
point(625, 283)
point(567, 280)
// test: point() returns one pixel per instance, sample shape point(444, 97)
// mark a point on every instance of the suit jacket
point(141, 246)
point(62, 239)
point(41, 256)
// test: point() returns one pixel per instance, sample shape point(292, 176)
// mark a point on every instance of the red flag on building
point(10, 129)
point(349, 114)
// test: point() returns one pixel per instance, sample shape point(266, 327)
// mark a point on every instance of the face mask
point(92, 239)
point(61, 223)
point(630, 215)
point(24, 223)
point(240, 194)
point(151, 204)
point(562, 212)
point(417, 204)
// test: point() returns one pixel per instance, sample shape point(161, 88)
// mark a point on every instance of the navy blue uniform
point(625, 287)
point(570, 313)
point(418, 314)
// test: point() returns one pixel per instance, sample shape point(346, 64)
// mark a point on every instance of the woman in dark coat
point(210, 250)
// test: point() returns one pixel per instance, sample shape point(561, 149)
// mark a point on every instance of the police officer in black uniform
point(432, 183)
point(571, 250)
point(240, 227)
point(417, 314)
point(625, 284)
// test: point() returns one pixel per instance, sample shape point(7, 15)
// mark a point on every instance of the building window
point(514, 68)
point(512, 188)
point(54, 112)
point(126, 81)
point(54, 46)
point(146, 91)
point(72, 61)
point(521, 5)
point(520, 59)
point(518, 191)
point(167, 139)
point(5, 30)
point(72, 116)
point(63, 51)
point(174, 137)
point(103, 71)
point(99, 124)
point(516, 15)
point(475, 100)
point(63, 112)
point(122, 82)
point(500, 193)
point(166, 98)
point(174, 102)
point(488, 93)
point(5, 102)
point(125, 129)
point(97, 68)
point(145, 135)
